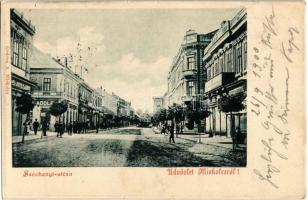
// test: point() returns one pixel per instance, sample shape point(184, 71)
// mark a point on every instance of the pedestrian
point(235, 138)
point(74, 127)
point(57, 128)
point(79, 127)
point(163, 129)
point(61, 129)
point(44, 128)
point(35, 125)
point(70, 128)
point(171, 130)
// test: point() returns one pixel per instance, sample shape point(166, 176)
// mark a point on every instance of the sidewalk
point(31, 136)
point(219, 141)
point(218, 149)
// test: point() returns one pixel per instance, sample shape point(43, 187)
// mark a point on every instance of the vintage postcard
point(153, 100)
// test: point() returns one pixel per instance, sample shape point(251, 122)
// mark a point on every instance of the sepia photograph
point(129, 87)
point(153, 99)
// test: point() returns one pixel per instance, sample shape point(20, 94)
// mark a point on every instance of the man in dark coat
point(70, 128)
point(57, 128)
point(44, 128)
point(74, 127)
point(171, 130)
point(35, 125)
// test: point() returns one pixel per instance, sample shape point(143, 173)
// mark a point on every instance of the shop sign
point(44, 103)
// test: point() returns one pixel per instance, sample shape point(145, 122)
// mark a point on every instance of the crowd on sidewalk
point(60, 128)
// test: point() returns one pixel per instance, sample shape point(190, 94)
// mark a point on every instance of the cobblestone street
point(133, 146)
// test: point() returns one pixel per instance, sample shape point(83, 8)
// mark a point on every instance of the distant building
point(22, 32)
point(158, 104)
point(123, 106)
point(225, 63)
point(54, 82)
point(109, 102)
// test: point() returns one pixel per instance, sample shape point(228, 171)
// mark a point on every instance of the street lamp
point(198, 107)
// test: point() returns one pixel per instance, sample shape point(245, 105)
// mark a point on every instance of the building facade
point(96, 104)
point(22, 32)
point(109, 102)
point(158, 104)
point(55, 82)
point(186, 77)
point(85, 95)
point(225, 65)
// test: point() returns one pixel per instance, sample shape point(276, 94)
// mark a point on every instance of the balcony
point(189, 73)
point(47, 93)
point(219, 80)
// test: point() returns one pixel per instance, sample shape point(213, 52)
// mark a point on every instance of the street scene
point(128, 88)
point(126, 147)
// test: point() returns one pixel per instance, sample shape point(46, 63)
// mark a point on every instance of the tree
point(178, 113)
point(24, 104)
point(195, 115)
point(231, 103)
point(58, 108)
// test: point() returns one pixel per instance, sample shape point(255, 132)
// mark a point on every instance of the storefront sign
point(44, 103)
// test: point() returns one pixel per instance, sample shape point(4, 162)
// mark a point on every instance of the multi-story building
point(55, 81)
point(123, 106)
point(158, 104)
point(109, 102)
point(22, 32)
point(225, 64)
point(96, 105)
point(186, 77)
point(85, 110)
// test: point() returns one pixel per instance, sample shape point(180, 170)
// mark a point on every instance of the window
point(216, 68)
point(191, 63)
point(234, 67)
point(209, 73)
point(245, 55)
point(221, 64)
point(24, 58)
point(229, 61)
point(46, 84)
point(15, 53)
point(190, 88)
point(239, 58)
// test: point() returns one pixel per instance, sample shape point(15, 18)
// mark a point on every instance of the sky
point(126, 51)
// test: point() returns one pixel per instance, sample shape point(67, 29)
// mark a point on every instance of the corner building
point(22, 32)
point(186, 77)
point(225, 65)
point(55, 81)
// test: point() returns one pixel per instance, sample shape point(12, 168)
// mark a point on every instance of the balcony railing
point(219, 80)
point(189, 72)
point(47, 93)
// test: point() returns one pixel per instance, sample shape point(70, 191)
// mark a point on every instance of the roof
point(38, 59)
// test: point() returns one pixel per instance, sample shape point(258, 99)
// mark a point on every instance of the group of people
point(60, 127)
point(70, 128)
point(169, 129)
point(36, 126)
